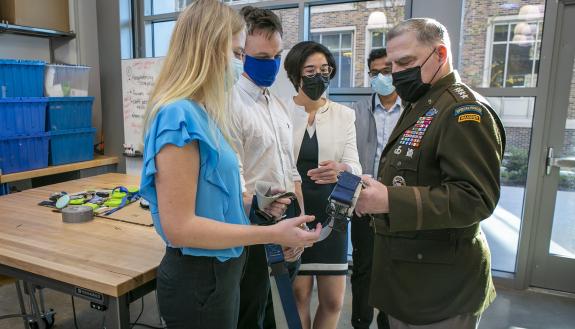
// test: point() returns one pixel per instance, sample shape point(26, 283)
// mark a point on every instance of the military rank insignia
point(398, 181)
point(468, 112)
point(413, 136)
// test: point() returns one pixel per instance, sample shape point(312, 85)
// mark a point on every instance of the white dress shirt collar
point(253, 90)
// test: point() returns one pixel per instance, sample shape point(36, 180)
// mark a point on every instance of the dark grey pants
point(199, 292)
point(362, 242)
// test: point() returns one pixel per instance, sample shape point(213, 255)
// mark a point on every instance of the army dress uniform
point(441, 165)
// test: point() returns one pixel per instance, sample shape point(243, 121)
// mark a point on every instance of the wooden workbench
point(108, 262)
point(99, 161)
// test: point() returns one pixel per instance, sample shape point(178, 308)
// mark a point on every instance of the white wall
point(85, 23)
point(22, 47)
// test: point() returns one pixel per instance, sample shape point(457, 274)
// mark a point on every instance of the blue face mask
point(237, 69)
point(263, 72)
point(382, 84)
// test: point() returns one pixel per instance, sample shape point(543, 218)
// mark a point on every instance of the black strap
point(280, 273)
point(278, 267)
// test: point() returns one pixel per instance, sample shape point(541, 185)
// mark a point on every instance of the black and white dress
point(327, 257)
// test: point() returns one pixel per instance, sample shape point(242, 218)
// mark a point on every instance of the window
point(385, 3)
point(358, 27)
point(126, 35)
point(159, 21)
point(333, 8)
point(501, 43)
point(515, 48)
point(500, 46)
point(159, 7)
point(367, 23)
point(158, 38)
point(341, 46)
point(238, 2)
point(377, 39)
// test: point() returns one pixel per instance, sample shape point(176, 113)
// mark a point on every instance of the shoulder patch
point(468, 112)
point(469, 117)
point(468, 108)
point(461, 93)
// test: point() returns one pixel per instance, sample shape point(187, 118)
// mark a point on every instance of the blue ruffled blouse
point(219, 195)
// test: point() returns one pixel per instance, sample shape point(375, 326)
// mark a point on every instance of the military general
point(438, 179)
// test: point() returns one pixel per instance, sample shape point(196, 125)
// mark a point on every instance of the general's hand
point(373, 199)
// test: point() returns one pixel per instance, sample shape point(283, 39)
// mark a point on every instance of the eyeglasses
point(310, 71)
point(385, 71)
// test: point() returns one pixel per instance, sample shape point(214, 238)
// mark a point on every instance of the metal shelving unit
point(35, 31)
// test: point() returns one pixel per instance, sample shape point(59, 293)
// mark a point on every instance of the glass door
point(554, 261)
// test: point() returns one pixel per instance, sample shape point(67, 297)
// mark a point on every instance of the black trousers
point(199, 292)
point(256, 307)
point(362, 242)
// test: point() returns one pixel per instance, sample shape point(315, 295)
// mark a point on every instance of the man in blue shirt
point(376, 117)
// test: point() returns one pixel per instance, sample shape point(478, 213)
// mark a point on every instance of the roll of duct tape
point(77, 214)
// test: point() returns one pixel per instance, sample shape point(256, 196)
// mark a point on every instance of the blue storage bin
point(72, 145)
point(22, 116)
point(23, 153)
point(66, 113)
point(21, 78)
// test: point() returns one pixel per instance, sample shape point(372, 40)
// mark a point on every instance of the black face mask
point(314, 87)
point(408, 83)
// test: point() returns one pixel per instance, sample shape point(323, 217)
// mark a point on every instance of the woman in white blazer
point(324, 145)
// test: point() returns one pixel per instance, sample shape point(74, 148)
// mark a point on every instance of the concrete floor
point(511, 310)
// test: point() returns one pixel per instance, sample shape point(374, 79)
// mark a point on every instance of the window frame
point(489, 43)
point(304, 8)
point(348, 6)
point(339, 31)
point(369, 29)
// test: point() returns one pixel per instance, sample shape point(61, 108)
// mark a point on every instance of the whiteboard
point(138, 76)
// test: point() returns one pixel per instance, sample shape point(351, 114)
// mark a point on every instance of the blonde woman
point(191, 176)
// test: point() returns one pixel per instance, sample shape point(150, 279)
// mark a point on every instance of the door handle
point(565, 162)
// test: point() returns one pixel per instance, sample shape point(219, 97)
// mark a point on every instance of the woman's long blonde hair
point(198, 60)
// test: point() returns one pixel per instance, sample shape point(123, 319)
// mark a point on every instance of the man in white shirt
point(262, 136)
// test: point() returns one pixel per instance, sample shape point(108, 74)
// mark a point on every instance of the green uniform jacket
point(441, 165)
